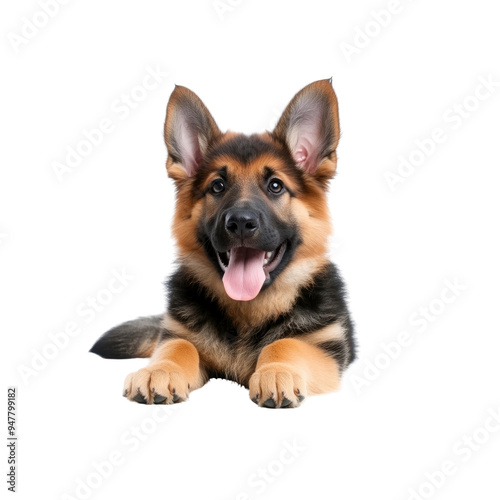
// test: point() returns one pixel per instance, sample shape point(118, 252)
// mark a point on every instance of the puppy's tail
point(133, 339)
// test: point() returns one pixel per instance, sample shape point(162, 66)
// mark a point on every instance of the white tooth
point(268, 255)
point(266, 261)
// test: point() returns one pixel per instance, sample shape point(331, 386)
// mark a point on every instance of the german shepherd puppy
point(254, 299)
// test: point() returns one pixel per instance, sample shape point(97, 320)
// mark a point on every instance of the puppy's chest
point(229, 335)
point(224, 335)
point(225, 340)
point(226, 352)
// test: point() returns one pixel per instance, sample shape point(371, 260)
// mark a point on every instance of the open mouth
point(246, 269)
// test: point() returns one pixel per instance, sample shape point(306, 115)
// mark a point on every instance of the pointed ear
point(189, 131)
point(309, 126)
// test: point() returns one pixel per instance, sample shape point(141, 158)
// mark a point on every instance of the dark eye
point(218, 186)
point(275, 186)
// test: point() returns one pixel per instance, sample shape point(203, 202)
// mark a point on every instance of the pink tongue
point(244, 275)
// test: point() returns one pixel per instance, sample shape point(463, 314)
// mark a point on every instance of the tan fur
point(174, 371)
point(215, 354)
point(330, 332)
point(146, 349)
point(291, 368)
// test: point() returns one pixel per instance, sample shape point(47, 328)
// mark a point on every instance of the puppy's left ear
point(189, 132)
point(309, 127)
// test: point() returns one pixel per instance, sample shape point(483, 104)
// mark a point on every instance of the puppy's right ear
point(189, 132)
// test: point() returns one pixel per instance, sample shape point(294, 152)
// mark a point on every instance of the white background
point(61, 240)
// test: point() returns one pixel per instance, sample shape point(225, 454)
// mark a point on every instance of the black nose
point(241, 223)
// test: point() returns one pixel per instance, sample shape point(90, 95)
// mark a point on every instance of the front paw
point(157, 384)
point(277, 385)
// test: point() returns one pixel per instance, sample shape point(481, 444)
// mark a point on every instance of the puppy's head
point(252, 207)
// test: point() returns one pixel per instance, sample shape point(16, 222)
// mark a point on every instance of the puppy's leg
point(174, 371)
point(288, 370)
